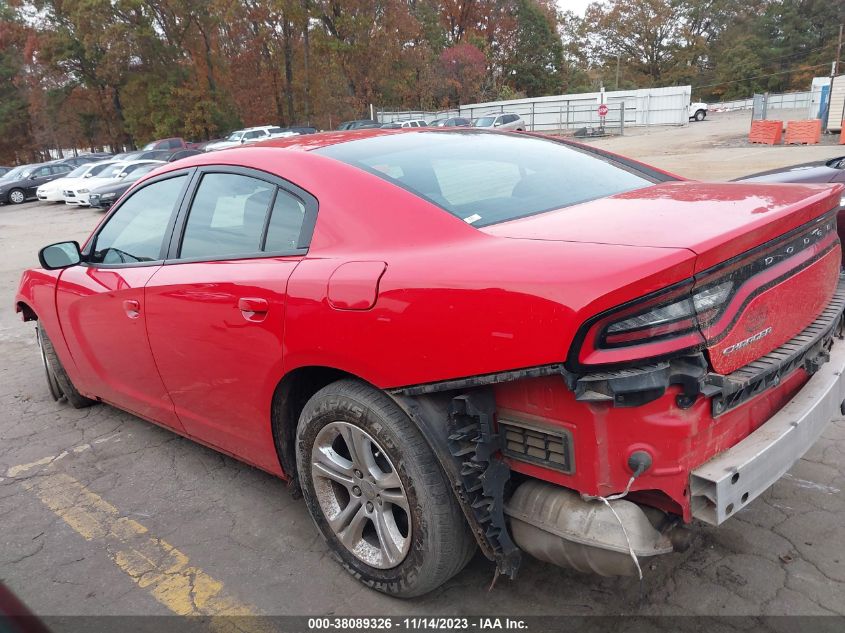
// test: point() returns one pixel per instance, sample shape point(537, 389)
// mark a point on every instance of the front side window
point(485, 178)
point(227, 217)
point(136, 231)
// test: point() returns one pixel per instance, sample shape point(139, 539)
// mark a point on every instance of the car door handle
point(132, 308)
point(253, 309)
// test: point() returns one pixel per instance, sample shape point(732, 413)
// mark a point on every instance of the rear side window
point(136, 231)
point(285, 223)
point(227, 216)
point(486, 178)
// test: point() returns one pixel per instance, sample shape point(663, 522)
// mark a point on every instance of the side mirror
point(61, 255)
point(88, 175)
point(497, 124)
point(243, 140)
point(122, 175)
point(34, 177)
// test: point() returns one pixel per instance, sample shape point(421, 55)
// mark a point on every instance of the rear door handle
point(253, 309)
point(132, 308)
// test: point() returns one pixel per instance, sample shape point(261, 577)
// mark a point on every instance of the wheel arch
point(23, 308)
point(430, 413)
point(289, 397)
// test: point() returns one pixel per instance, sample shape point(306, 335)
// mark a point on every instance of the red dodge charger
point(450, 339)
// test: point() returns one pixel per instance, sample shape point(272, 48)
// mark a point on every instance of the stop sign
point(603, 110)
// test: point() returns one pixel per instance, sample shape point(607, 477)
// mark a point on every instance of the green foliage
point(535, 65)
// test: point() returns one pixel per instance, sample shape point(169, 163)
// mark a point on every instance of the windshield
point(76, 173)
point(113, 171)
point(234, 136)
point(139, 171)
point(484, 177)
point(16, 173)
point(485, 121)
point(99, 169)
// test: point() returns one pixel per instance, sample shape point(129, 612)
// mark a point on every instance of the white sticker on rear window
point(472, 218)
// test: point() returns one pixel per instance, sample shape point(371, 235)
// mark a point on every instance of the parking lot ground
point(102, 513)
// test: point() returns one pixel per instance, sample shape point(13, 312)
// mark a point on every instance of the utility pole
point(838, 51)
point(617, 59)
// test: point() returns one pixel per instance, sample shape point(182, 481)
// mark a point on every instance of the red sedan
point(450, 339)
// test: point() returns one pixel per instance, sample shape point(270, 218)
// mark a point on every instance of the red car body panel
point(104, 309)
point(221, 363)
point(715, 221)
point(398, 292)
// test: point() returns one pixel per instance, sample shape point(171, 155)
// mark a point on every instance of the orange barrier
point(807, 132)
point(766, 132)
point(842, 134)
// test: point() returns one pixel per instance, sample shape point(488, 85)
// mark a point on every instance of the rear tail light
point(669, 319)
point(675, 320)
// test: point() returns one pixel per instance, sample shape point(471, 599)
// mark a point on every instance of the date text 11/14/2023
point(417, 623)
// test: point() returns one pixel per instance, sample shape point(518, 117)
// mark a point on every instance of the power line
point(782, 72)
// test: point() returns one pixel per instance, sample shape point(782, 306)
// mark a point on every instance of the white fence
point(555, 114)
point(785, 101)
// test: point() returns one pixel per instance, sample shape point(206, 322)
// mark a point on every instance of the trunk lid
point(775, 244)
point(716, 221)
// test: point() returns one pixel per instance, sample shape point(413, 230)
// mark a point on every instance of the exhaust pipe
point(557, 526)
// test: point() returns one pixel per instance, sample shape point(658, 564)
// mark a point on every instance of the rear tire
point(366, 471)
point(58, 382)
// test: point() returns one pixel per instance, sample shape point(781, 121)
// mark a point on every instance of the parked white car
point(697, 111)
point(250, 135)
point(503, 121)
point(76, 194)
point(54, 191)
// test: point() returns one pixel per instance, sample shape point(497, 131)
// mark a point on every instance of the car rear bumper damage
point(769, 413)
point(729, 481)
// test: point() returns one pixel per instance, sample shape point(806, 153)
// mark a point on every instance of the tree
point(15, 131)
point(463, 67)
point(535, 63)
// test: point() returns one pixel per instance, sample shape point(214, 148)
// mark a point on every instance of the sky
point(576, 6)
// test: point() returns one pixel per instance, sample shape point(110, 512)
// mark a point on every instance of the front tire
point(377, 492)
point(58, 382)
point(17, 196)
point(699, 115)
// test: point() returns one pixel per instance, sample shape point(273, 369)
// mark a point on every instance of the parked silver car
point(502, 121)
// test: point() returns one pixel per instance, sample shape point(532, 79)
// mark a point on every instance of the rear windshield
point(486, 178)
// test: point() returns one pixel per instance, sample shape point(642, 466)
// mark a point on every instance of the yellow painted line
point(152, 563)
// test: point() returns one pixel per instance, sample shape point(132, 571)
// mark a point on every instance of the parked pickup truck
point(250, 135)
point(697, 111)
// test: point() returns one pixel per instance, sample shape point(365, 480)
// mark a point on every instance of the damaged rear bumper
point(723, 485)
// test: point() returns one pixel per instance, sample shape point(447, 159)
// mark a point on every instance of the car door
point(101, 307)
point(215, 310)
point(38, 177)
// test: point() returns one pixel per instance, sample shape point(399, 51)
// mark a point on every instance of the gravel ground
point(717, 148)
point(238, 537)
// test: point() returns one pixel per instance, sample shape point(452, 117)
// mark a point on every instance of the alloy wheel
point(361, 495)
point(16, 196)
